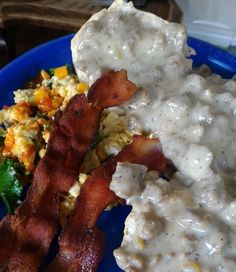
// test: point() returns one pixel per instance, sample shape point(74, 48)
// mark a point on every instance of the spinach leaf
point(69, 69)
point(51, 71)
point(2, 135)
point(10, 186)
point(97, 139)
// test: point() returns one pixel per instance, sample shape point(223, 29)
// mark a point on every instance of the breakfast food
point(181, 222)
point(26, 128)
point(35, 222)
point(187, 223)
point(81, 242)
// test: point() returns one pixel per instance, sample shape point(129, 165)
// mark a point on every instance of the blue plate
point(56, 53)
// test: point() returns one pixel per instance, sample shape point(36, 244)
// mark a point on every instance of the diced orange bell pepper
point(61, 72)
point(82, 87)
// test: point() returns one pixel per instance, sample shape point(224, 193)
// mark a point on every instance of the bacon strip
point(126, 90)
point(81, 242)
point(28, 233)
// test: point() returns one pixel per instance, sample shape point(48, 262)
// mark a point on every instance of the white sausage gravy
point(188, 223)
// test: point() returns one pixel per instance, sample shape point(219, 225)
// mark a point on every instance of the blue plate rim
point(212, 48)
point(33, 51)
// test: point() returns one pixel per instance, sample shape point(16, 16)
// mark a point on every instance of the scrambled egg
point(16, 113)
point(69, 201)
point(21, 141)
point(27, 126)
point(112, 137)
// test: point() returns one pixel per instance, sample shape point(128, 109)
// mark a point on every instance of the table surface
point(69, 14)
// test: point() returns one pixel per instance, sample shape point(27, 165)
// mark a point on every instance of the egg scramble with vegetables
point(27, 125)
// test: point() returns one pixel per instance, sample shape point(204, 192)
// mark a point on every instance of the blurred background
point(213, 21)
point(26, 24)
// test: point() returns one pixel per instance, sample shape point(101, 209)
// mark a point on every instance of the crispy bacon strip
point(126, 90)
point(28, 233)
point(81, 242)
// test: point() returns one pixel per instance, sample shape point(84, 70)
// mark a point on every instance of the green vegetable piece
point(2, 135)
point(97, 139)
point(51, 71)
point(10, 186)
point(69, 69)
